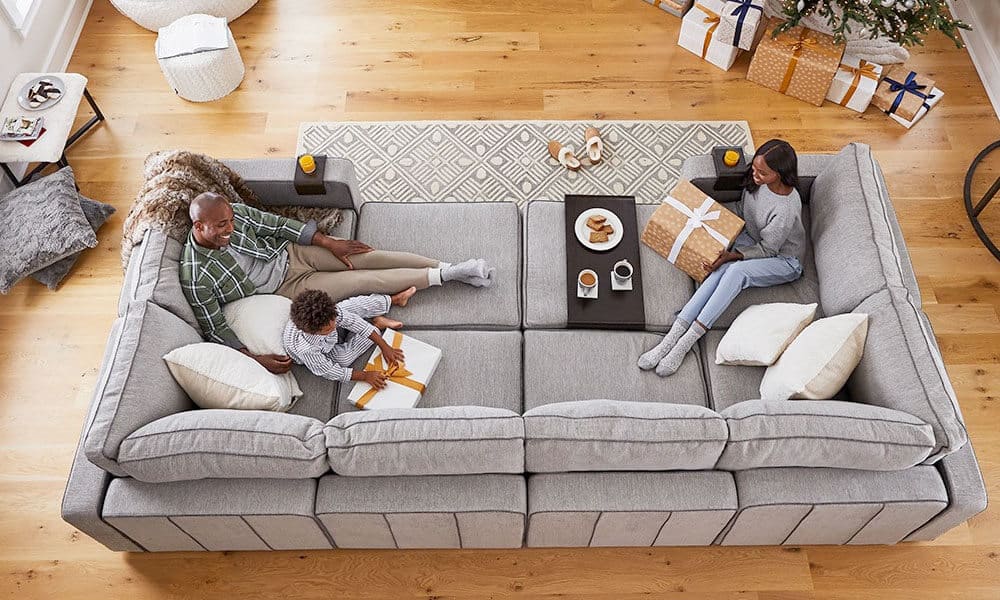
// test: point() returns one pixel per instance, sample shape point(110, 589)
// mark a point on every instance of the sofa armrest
point(272, 179)
point(966, 494)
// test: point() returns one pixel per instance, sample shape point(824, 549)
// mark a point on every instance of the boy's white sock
point(434, 276)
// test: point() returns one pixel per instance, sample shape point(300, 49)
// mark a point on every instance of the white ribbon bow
point(696, 219)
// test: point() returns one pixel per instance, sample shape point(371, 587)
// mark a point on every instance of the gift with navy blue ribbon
point(740, 20)
point(903, 92)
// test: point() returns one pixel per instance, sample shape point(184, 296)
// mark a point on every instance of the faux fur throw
point(174, 177)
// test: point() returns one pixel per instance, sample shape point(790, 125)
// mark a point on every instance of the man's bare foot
point(403, 297)
point(383, 322)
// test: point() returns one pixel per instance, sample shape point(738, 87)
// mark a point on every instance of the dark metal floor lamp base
point(975, 211)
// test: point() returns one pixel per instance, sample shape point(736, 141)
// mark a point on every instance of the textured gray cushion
point(607, 435)
point(477, 368)
point(153, 274)
point(822, 433)
point(966, 494)
point(135, 388)
point(43, 224)
point(568, 365)
point(453, 440)
point(902, 369)
point(490, 230)
point(665, 288)
point(96, 213)
point(225, 444)
point(319, 395)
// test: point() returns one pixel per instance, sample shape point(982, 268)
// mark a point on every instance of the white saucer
point(615, 286)
point(591, 294)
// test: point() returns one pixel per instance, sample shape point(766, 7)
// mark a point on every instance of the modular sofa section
point(445, 511)
point(628, 508)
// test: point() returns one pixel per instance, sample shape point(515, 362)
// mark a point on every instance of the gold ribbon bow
point(710, 17)
point(864, 69)
point(396, 373)
point(805, 42)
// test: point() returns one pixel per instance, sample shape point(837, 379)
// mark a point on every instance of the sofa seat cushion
point(453, 440)
point(153, 274)
point(607, 435)
point(822, 433)
point(579, 364)
point(453, 232)
point(664, 287)
point(477, 368)
point(225, 444)
point(902, 369)
point(135, 387)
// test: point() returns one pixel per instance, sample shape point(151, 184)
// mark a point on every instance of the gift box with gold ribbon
point(904, 92)
point(855, 82)
point(690, 229)
point(740, 22)
point(698, 34)
point(799, 62)
point(674, 7)
point(406, 382)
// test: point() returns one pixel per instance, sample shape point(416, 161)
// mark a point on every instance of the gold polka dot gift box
point(690, 229)
point(799, 62)
point(699, 34)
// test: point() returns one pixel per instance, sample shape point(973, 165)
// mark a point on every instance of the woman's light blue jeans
point(719, 289)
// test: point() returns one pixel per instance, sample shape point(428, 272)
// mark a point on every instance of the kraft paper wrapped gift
point(740, 22)
point(406, 383)
point(698, 34)
point(690, 229)
point(854, 84)
point(903, 92)
point(932, 98)
point(800, 62)
point(674, 7)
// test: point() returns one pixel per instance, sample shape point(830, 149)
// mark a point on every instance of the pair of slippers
point(566, 156)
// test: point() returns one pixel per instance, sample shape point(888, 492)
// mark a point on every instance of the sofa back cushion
point(135, 388)
point(902, 369)
point(153, 274)
point(225, 444)
point(822, 433)
point(608, 435)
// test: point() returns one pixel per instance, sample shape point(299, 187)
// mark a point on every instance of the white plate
point(22, 96)
point(583, 232)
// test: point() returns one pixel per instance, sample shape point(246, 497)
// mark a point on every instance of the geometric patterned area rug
point(475, 161)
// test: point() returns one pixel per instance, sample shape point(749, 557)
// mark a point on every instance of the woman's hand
point(342, 249)
point(724, 257)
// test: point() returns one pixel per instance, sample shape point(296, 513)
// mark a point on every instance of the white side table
point(58, 122)
point(204, 76)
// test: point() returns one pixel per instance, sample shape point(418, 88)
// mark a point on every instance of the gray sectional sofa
point(531, 433)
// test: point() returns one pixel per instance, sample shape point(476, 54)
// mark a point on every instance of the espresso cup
point(587, 279)
point(622, 271)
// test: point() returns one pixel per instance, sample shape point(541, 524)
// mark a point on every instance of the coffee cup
point(622, 271)
point(587, 279)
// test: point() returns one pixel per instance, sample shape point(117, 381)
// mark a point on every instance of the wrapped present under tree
point(674, 7)
point(854, 84)
point(698, 34)
point(740, 22)
point(799, 62)
point(903, 92)
point(932, 98)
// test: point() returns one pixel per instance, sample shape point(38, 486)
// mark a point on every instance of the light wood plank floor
point(492, 59)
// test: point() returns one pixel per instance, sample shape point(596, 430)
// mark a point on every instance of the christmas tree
point(902, 21)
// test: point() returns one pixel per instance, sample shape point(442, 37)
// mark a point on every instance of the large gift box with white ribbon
point(855, 82)
point(406, 382)
point(740, 22)
point(698, 34)
point(690, 229)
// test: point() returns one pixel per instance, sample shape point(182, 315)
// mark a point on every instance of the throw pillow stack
point(804, 359)
point(47, 224)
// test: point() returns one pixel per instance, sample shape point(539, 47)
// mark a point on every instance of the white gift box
point(740, 22)
point(698, 34)
point(406, 383)
point(855, 82)
point(928, 104)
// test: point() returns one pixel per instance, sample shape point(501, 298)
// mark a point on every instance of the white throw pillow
point(217, 376)
point(259, 321)
point(818, 362)
point(762, 332)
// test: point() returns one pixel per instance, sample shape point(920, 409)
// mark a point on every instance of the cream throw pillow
point(762, 332)
point(217, 376)
point(817, 364)
point(259, 321)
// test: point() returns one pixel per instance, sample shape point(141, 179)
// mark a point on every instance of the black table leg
point(975, 211)
point(97, 118)
point(10, 175)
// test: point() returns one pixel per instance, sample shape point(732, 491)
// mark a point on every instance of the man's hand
point(342, 249)
point(724, 257)
point(275, 363)
point(376, 379)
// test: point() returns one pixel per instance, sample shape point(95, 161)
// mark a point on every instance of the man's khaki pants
point(375, 272)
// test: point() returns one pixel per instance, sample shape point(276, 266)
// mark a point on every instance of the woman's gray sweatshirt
point(774, 221)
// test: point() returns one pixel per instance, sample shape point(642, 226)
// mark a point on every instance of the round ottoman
point(204, 76)
point(153, 14)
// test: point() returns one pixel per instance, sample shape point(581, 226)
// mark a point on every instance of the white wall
point(983, 41)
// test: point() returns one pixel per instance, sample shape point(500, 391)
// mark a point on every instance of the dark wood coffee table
point(611, 309)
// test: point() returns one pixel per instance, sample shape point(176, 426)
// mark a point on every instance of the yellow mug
point(307, 163)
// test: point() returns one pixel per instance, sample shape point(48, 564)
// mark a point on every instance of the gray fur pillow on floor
point(42, 223)
point(96, 213)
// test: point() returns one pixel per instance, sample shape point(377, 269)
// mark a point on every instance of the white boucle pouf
point(204, 76)
point(154, 14)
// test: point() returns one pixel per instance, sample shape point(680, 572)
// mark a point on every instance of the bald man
point(234, 251)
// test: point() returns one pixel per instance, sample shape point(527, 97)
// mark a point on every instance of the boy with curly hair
point(312, 337)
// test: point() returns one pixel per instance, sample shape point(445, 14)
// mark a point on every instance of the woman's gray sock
point(672, 361)
point(649, 360)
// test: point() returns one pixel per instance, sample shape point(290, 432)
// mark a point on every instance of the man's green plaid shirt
point(211, 278)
